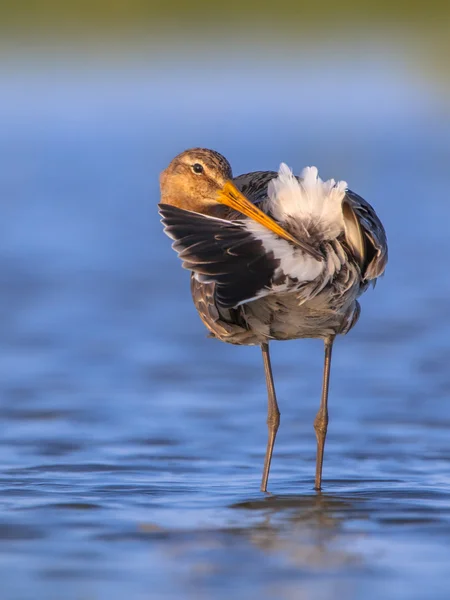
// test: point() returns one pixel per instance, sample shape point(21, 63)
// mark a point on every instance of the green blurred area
point(106, 14)
point(417, 33)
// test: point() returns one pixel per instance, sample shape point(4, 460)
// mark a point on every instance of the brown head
point(199, 180)
point(194, 178)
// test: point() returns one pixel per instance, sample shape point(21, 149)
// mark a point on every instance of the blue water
point(132, 446)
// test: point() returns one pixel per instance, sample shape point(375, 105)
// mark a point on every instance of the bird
point(272, 256)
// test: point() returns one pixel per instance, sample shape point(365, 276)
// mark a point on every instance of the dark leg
point(321, 420)
point(273, 415)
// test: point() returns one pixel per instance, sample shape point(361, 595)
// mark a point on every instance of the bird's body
point(296, 274)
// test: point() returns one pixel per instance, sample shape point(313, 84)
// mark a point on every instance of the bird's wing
point(254, 185)
point(243, 258)
point(225, 324)
point(366, 235)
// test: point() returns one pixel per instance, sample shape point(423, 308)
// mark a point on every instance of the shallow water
point(132, 445)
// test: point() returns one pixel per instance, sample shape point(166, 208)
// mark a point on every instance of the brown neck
point(193, 204)
point(186, 203)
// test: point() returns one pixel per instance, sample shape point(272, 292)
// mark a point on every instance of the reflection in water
point(307, 530)
point(292, 546)
point(278, 544)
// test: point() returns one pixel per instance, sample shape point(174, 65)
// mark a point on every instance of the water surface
point(132, 445)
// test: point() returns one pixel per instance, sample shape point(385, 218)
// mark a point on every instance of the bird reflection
point(279, 539)
point(308, 530)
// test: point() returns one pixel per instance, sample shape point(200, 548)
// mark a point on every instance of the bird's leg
point(321, 420)
point(273, 415)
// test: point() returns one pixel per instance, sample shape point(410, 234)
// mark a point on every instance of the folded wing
point(365, 235)
point(220, 251)
point(244, 260)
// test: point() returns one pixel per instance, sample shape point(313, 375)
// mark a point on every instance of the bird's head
point(199, 180)
point(194, 179)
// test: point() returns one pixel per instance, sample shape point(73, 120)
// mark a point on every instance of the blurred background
point(132, 445)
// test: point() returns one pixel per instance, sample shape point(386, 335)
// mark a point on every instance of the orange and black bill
point(232, 197)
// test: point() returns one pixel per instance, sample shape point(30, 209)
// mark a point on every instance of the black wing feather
point(220, 251)
point(254, 185)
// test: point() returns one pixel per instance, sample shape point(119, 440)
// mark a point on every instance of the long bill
point(232, 197)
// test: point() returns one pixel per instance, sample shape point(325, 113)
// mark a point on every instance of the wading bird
point(272, 257)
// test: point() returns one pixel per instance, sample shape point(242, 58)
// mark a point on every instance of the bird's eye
point(197, 168)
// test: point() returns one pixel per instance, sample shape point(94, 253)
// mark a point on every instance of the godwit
point(272, 257)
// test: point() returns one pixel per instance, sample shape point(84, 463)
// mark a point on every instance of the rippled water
point(132, 445)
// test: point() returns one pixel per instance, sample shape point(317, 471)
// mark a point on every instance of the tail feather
point(314, 204)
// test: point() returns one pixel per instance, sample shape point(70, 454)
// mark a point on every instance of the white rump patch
point(312, 203)
point(293, 261)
